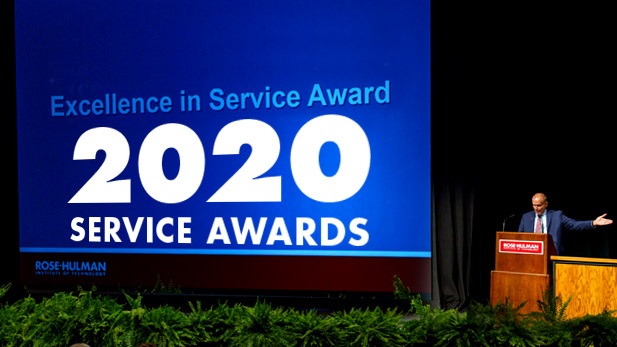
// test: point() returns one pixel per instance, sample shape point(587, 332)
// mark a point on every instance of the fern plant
point(596, 330)
point(97, 316)
point(125, 332)
point(165, 326)
point(429, 325)
point(261, 325)
point(371, 328)
point(511, 328)
point(4, 289)
point(471, 328)
point(66, 318)
point(401, 292)
point(550, 322)
point(15, 322)
point(314, 330)
point(551, 308)
point(213, 325)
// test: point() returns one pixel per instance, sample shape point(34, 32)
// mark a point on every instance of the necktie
point(539, 224)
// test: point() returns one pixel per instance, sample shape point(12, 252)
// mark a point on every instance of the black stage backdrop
point(522, 101)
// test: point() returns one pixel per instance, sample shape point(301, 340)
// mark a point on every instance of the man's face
point(539, 204)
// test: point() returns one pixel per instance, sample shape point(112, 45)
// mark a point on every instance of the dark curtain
point(453, 213)
point(453, 188)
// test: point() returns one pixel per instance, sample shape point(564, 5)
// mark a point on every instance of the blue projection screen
point(176, 132)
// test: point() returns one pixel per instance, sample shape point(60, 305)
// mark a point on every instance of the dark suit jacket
point(556, 221)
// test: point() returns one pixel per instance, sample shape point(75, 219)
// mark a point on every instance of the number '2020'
point(248, 184)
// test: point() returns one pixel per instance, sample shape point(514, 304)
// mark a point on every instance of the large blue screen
point(234, 128)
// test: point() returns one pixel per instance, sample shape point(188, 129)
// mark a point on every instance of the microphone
point(504, 221)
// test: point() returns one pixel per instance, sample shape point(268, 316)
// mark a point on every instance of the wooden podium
point(521, 268)
point(589, 282)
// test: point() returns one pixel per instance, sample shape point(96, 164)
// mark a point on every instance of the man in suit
point(541, 220)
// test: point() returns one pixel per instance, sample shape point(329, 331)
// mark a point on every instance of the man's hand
point(602, 221)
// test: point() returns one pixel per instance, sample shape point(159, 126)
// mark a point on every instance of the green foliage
point(165, 326)
point(401, 292)
point(313, 330)
point(4, 289)
point(596, 330)
point(60, 320)
point(15, 322)
point(213, 325)
point(261, 325)
point(66, 318)
point(465, 329)
point(162, 288)
point(551, 309)
point(510, 328)
point(371, 328)
point(550, 321)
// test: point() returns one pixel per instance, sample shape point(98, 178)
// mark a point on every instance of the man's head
point(539, 203)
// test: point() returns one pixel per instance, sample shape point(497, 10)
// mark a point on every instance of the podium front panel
point(589, 284)
point(523, 252)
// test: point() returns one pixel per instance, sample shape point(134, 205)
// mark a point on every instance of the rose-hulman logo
point(524, 247)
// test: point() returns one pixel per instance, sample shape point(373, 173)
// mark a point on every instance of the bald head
point(539, 203)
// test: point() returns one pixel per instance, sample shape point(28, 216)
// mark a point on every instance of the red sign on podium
point(521, 247)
